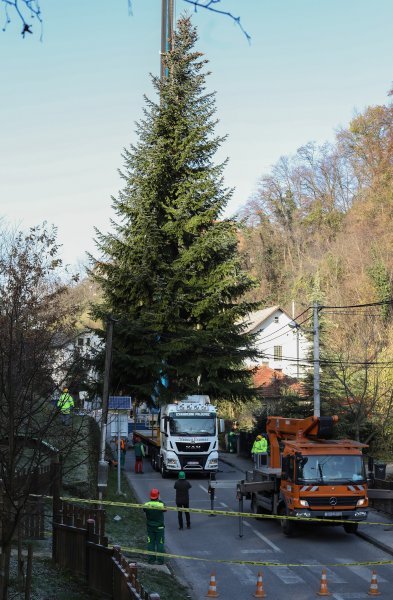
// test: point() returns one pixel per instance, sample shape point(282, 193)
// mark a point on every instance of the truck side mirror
point(221, 425)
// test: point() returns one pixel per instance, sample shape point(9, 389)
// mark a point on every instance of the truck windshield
point(192, 425)
point(330, 469)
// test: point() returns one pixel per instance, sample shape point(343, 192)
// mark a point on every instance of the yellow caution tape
point(251, 562)
point(224, 513)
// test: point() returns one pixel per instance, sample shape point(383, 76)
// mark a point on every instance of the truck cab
point(308, 476)
point(189, 436)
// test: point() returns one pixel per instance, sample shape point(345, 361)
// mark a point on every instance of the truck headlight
point(303, 503)
point(172, 462)
point(213, 462)
point(361, 502)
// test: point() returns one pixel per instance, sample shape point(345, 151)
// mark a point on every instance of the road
point(212, 538)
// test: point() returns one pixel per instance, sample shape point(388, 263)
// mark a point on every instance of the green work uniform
point(155, 528)
point(259, 446)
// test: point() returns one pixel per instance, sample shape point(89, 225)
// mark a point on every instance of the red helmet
point(154, 494)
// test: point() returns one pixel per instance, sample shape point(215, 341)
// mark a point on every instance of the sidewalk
point(379, 535)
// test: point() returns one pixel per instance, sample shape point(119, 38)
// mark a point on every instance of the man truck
point(185, 438)
point(308, 476)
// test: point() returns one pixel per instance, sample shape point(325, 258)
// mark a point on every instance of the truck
point(185, 437)
point(309, 476)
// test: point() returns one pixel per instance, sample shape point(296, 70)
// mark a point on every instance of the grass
point(52, 583)
point(130, 532)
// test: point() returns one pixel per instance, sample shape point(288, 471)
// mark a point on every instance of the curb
point(375, 542)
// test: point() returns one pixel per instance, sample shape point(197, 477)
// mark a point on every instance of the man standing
point(139, 454)
point(123, 452)
point(65, 403)
point(259, 451)
point(154, 510)
point(182, 498)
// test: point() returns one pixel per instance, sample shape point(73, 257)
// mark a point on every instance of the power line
point(287, 325)
point(381, 303)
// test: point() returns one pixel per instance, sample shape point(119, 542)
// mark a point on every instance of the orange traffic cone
point(373, 591)
point(324, 588)
point(212, 591)
point(260, 592)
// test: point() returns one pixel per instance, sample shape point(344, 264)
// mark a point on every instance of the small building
point(280, 338)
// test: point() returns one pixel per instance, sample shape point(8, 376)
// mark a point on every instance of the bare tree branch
point(27, 10)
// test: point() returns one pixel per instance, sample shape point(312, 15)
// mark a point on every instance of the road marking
point(202, 552)
point(224, 505)
point(255, 551)
point(287, 576)
point(267, 541)
point(351, 596)
point(331, 575)
point(363, 572)
point(244, 574)
point(204, 488)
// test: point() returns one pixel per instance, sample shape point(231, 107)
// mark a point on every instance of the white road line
point(204, 488)
point(286, 575)
point(256, 551)
point(202, 552)
point(363, 572)
point(331, 575)
point(351, 596)
point(225, 505)
point(267, 541)
point(243, 574)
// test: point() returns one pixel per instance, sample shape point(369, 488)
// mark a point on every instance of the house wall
point(276, 337)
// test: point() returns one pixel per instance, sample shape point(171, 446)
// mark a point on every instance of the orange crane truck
point(309, 476)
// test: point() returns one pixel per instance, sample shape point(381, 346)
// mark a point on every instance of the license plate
point(331, 513)
point(193, 463)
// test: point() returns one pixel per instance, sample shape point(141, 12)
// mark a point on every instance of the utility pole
point(103, 465)
point(167, 27)
point(317, 397)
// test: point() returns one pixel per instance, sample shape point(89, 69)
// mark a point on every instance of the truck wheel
point(287, 526)
point(164, 472)
point(350, 527)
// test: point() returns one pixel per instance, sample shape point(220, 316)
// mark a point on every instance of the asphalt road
point(213, 538)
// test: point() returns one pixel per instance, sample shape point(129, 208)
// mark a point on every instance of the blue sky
point(69, 103)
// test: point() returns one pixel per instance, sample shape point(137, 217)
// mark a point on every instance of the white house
point(285, 347)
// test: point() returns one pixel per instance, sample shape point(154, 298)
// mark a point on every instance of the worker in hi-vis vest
point(65, 403)
point(259, 451)
point(154, 510)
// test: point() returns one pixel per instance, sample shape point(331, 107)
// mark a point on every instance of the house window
point(276, 319)
point(277, 352)
point(80, 341)
point(87, 341)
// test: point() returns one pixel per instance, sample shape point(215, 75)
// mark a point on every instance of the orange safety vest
point(122, 445)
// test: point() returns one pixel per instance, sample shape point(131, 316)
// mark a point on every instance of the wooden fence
point(32, 525)
point(80, 545)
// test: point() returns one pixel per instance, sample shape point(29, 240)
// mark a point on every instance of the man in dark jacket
point(154, 510)
point(182, 498)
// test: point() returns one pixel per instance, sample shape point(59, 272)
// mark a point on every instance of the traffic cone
point(212, 591)
point(260, 592)
point(324, 588)
point(373, 591)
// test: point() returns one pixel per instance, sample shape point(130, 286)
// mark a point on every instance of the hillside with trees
point(319, 228)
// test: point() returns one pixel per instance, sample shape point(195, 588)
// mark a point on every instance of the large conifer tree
point(171, 274)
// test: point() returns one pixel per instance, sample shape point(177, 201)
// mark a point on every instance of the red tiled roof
point(271, 381)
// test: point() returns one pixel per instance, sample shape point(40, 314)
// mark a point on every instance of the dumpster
point(380, 470)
